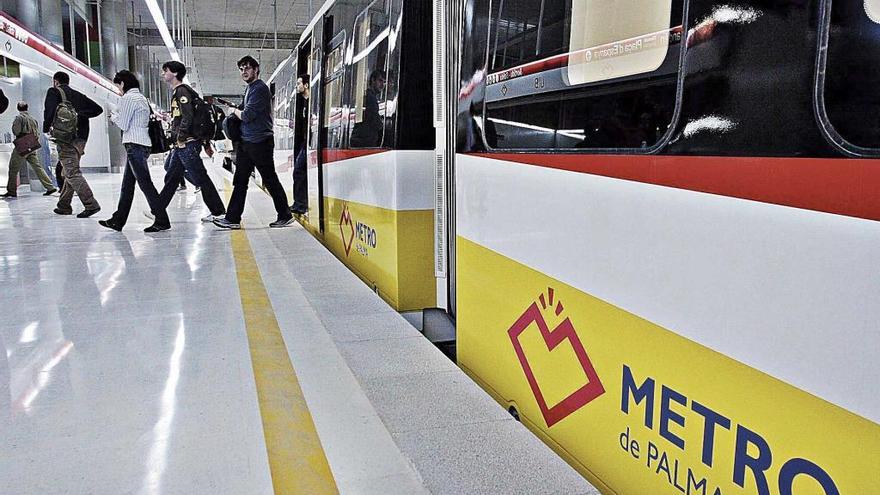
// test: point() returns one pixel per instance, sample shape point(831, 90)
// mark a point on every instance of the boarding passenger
point(70, 137)
point(133, 117)
point(185, 154)
point(25, 128)
point(368, 132)
point(300, 173)
point(257, 149)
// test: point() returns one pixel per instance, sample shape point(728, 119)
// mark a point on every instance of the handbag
point(26, 144)
point(158, 140)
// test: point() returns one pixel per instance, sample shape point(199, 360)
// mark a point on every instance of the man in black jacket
point(70, 153)
point(186, 148)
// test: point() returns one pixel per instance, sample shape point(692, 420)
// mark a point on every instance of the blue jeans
point(136, 170)
point(187, 159)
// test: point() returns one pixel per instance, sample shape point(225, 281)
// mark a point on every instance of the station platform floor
point(201, 361)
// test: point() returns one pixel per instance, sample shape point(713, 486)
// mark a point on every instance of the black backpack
point(159, 142)
point(204, 122)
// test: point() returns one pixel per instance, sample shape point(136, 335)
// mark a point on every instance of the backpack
point(64, 124)
point(204, 123)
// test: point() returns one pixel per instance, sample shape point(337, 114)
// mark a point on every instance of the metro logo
point(564, 332)
point(345, 221)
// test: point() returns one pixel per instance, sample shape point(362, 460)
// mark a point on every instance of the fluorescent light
point(159, 19)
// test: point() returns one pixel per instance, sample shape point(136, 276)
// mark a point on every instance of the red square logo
point(564, 332)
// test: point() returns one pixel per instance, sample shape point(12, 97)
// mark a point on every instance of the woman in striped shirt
point(133, 117)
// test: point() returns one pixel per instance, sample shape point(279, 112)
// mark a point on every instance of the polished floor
point(126, 367)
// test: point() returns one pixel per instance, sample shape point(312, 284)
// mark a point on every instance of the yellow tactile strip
point(296, 458)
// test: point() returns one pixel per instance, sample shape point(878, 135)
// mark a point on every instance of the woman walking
point(133, 117)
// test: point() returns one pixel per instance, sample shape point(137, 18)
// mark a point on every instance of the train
point(27, 55)
point(654, 226)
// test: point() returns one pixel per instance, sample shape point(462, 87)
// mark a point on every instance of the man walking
point(300, 172)
point(256, 151)
point(133, 117)
point(25, 125)
point(185, 154)
point(71, 142)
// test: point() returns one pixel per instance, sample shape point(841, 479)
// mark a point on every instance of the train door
point(331, 100)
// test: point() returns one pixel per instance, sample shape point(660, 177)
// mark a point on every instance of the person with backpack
point(133, 117)
point(25, 128)
point(256, 151)
point(192, 122)
point(66, 120)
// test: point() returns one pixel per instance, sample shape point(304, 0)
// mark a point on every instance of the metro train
point(655, 224)
point(33, 55)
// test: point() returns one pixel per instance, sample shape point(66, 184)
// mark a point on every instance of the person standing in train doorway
point(133, 117)
point(185, 154)
point(25, 129)
point(300, 172)
point(70, 135)
point(256, 151)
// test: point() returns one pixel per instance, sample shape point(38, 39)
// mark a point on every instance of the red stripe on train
point(848, 187)
point(339, 155)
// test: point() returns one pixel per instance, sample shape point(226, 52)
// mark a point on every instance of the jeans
point(187, 159)
point(136, 170)
point(260, 156)
point(300, 183)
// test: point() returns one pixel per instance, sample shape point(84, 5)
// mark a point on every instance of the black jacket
point(182, 112)
point(85, 109)
point(4, 102)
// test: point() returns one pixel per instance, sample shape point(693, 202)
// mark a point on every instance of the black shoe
point(297, 211)
point(63, 212)
point(50, 192)
point(8, 195)
point(88, 213)
point(156, 228)
point(110, 225)
point(284, 222)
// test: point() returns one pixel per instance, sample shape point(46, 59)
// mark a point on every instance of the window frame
point(653, 149)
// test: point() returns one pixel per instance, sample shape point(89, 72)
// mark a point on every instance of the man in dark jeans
point(185, 154)
point(70, 153)
point(300, 171)
point(133, 117)
point(257, 147)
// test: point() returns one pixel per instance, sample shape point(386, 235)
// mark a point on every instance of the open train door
point(446, 82)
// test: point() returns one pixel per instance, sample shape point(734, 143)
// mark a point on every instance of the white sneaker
point(210, 218)
point(149, 214)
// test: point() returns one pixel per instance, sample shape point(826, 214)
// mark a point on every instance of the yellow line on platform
point(296, 458)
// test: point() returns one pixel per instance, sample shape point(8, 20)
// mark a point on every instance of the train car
point(32, 55)
point(369, 142)
point(655, 224)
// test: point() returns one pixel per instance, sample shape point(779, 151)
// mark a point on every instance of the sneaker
point(88, 213)
point(110, 225)
point(284, 222)
point(156, 228)
point(181, 188)
point(50, 192)
point(210, 218)
point(149, 214)
point(223, 223)
point(198, 190)
point(63, 212)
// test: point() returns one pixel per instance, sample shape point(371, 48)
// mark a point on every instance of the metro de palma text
point(751, 451)
point(366, 238)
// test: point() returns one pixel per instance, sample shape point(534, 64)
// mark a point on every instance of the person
point(133, 117)
point(368, 132)
point(300, 172)
point(4, 101)
point(70, 153)
point(23, 125)
point(257, 150)
point(185, 154)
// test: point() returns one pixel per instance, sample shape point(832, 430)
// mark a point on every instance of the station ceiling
point(223, 32)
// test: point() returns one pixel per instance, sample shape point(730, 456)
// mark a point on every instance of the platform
point(251, 362)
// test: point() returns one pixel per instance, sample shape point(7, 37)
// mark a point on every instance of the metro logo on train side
point(589, 386)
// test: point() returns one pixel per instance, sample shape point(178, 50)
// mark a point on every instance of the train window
point(596, 74)
point(333, 111)
point(9, 68)
point(849, 100)
point(369, 108)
